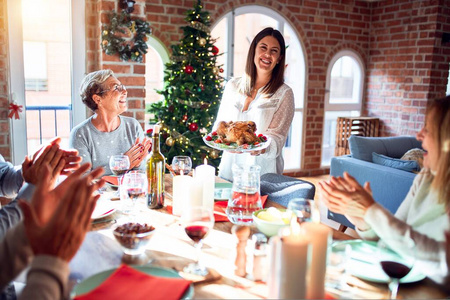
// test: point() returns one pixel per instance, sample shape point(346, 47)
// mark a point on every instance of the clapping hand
point(344, 195)
point(138, 152)
point(57, 221)
point(61, 162)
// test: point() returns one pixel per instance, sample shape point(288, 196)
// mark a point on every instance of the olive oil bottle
point(155, 173)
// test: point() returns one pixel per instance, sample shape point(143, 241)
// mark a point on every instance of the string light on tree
point(192, 87)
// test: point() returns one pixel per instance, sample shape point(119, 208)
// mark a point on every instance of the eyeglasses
point(118, 87)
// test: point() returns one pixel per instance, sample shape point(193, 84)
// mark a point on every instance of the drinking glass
point(338, 261)
point(245, 197)
point(181, 164)
point(119, 164)
point(303, 210)
point(134, 187)
point(396, 257)
point(197, 222)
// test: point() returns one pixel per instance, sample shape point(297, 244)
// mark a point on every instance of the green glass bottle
point(155, 173)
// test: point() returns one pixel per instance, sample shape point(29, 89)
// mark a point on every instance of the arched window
point(155, 59)
point(343, 98)
point(234, 33)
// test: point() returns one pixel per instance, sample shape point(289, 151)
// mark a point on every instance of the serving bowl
point(133, 237)
point(269, 228)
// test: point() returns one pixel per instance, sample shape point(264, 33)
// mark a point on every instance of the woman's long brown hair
point(247, 83)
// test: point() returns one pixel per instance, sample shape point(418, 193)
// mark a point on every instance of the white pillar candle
point(292, 264)
point(319, 235)
point(207, 174)
point(181, 193)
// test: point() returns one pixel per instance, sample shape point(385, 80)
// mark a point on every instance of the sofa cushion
point(362, 147)
point(405, 165)
point(414, 154)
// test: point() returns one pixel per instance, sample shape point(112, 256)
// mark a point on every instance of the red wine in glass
point(119, 172)
point(196, 232)
point(394, 269)
point(135, 193)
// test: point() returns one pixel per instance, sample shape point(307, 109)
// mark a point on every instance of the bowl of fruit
point(270, 220)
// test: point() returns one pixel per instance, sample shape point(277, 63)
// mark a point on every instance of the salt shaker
point(259, 257)
point(242, 233)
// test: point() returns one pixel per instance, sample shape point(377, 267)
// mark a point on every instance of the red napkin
point(219, 209)
point(111, 179)
point(128, 283)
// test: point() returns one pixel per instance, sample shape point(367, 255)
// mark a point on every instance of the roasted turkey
point(239, 132)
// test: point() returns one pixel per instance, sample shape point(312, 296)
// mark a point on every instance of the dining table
point(171, 248)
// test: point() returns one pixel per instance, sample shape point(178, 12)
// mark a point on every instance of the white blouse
point(273, 117)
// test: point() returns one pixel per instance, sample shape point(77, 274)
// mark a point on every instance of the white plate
point(363, 264)
point(103, 208)
point(234, 147)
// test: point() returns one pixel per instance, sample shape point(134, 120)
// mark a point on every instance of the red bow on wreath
point(14, 110)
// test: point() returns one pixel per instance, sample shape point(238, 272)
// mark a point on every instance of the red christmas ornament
point(215, 50)
point(193, 127)
point(188, 69)
point(221, 70)
point(185, 117)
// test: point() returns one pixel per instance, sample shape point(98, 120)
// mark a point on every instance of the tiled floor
point(323, 210)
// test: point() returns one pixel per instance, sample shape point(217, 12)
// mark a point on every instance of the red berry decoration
point(185, 117)
point(208, 138)
point(214, 133)
point(188, 69)
point(193, 127)
point(215, 50)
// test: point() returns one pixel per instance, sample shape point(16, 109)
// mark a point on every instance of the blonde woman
point(423, 214)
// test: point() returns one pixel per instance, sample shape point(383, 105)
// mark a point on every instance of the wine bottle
point(155, 173)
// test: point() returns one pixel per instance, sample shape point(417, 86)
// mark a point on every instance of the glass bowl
point(133, 237)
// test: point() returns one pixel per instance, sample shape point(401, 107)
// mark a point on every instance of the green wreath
point(122, 25)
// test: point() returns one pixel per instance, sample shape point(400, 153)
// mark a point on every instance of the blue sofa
point(389, 185)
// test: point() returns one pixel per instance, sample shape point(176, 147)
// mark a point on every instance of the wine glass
point(197, 222)
point(135, 187)
point(396, 257)
point(303, 210)
point(119, 164)
point(181, 164)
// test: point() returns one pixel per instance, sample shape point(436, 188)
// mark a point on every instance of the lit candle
point(289, 260)
point(206, 174)
point(196, 191)
point(181, 193)
point(319, 235)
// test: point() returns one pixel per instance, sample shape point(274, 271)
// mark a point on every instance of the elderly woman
point(107, 133)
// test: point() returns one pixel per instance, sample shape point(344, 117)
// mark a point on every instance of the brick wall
point(399, 42)
point(5, 143)
point(407, 63)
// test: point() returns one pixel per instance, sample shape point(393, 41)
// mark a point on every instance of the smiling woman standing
point(107, 133)
point(262, 97)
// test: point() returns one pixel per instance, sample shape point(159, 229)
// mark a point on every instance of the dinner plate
point(222, 191)
point(234, 147)
point(103, 208)
point(363, 263)
point(94, 281)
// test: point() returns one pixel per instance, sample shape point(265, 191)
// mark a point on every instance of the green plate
point(363, 263)
point(94, 281)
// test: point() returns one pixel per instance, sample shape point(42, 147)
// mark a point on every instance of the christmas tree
point(192, 92)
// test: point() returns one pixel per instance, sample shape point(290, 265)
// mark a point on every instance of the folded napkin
point(128, 283)
point(220, 209)
point(114, 180)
